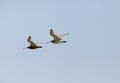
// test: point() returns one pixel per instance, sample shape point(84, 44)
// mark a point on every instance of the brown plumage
point(32, 44)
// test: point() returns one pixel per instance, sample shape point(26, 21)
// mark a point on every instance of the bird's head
point(28, 47)
point(51, 30)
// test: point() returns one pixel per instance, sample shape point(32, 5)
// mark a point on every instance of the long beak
point(25, 48)
point(48, 42)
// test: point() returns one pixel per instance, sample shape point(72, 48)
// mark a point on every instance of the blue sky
point(91, 54)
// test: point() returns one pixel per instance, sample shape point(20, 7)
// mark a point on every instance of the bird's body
point(34, 47)
point(32, 44)
point(57, 39)
point(58, 42)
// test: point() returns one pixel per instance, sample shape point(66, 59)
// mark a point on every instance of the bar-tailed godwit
point(57, 39)
point(32, 44)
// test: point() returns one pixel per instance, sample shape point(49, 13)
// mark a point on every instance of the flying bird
point(32, 44)
point(57, 39)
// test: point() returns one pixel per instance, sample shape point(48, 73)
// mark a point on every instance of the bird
point(57, 39)
point(32, 44)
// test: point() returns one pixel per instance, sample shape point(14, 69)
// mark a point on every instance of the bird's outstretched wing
point(30, 41)
point(61, 36)
point(54, 35)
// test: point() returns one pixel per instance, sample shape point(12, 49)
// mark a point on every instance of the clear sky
point(92, 51)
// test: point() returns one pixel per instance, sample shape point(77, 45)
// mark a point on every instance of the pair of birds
point(56, 40)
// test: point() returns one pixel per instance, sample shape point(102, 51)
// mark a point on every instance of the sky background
point(92, 51)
